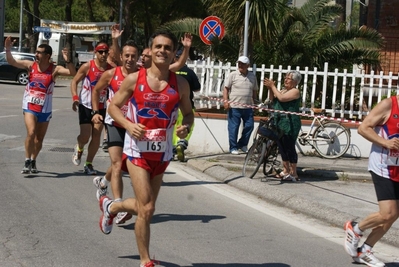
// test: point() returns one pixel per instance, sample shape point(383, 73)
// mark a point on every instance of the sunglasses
point(40, 52)
point(103, 52)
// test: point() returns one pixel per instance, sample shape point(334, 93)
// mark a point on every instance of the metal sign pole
point(246, 28)
point(20, 26)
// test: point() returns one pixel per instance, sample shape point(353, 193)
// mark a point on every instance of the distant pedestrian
point(241, 88)
point(381, 128)
point(38, 96)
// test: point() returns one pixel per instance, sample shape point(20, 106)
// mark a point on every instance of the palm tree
point(308, 37)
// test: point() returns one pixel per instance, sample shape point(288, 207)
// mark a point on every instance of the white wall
point(210, 136)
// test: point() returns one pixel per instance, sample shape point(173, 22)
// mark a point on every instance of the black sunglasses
point(40, 52)
point(103, 51)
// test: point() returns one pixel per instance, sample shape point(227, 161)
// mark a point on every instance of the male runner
point(155, 95)
point(38, 96)
point(116, 134)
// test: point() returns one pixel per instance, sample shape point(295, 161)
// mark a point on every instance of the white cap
point(243, 59)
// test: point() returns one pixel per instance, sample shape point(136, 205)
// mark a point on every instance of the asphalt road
point(51, 219)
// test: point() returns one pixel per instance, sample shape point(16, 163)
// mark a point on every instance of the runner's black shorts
point(385, 188)
point(116, 135)
point(85, 114)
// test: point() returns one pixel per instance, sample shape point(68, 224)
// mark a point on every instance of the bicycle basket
point(270, 131)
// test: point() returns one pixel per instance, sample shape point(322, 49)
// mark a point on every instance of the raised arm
point(186, 41)
point(70, 70)
point(22, 64)
point(116, 34)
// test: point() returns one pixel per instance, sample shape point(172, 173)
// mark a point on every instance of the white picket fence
point(352, 96)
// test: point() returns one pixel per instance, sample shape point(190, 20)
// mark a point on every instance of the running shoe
point(33, 168)
point(352, 239)
point(27, 167)
point(180, 153)
point(368, 258)
point(77, 155)
point(151, 263)
point(88, 169)
point(107, 218)
point(122, 217)
point(101, 191)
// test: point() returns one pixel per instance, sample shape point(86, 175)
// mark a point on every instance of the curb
point(280, 198)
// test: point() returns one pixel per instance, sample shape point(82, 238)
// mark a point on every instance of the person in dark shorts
point(381, 128)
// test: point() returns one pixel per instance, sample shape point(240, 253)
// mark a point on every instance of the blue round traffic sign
point(210, 28)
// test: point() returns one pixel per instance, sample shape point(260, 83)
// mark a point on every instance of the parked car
point(11, 73)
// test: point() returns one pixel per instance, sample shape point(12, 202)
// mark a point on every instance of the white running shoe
point(33, 168)
point(77, 155)
point(107, 219)
point(368, 258)
point(122, 217)
point(101, 191)
point(351, 239)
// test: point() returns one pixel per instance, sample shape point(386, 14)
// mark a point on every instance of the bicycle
point(264, 149)
point(330, 139)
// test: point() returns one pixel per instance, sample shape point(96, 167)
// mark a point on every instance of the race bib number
point(393, 157)
point(37, 98)
point(153, 141)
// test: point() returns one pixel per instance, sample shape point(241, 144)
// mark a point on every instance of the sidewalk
point(333, 191)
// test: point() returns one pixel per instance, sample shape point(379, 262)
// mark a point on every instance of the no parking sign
point(210, 28)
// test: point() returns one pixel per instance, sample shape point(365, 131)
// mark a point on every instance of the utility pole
point(2, 21)
point(20, 26)
point(246, 28)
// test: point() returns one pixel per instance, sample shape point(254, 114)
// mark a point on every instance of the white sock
point(357, 229)
point(118, 200)
point(365, 247)
point(104, 181)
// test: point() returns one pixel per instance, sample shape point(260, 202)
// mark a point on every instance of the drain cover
point(61, 149)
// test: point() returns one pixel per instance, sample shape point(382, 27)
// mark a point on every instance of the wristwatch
point(94, 112)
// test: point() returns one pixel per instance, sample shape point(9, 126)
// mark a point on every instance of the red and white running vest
point(88, 84)
point(382, 161)
point(158, 112)
point(113, 87)
point(38, 95)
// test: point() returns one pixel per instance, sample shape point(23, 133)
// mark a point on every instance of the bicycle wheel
point(331, 140)
point(254, 158)
point(270, 157)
